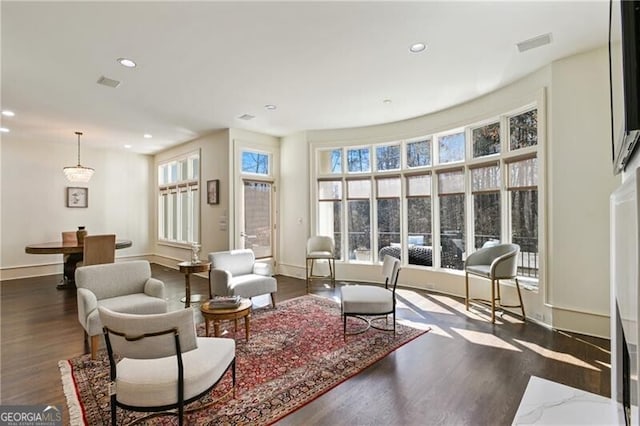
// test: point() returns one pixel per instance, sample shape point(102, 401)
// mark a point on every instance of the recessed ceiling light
point(4, 130)
point(417, 47)
point(147, 136)
point(386, 101)
point(270, 107)
point(127, 146)
point(8, 113)
point(126, 62)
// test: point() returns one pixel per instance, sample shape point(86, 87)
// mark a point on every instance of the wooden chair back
point(69, 237)
point(99, 249)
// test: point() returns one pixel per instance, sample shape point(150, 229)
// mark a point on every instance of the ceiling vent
point(246, 117)
point(533, 43)
point(108, 82)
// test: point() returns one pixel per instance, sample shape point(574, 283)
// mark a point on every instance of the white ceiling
point(324, 64)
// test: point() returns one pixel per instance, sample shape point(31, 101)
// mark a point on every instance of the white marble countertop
point(549, 403)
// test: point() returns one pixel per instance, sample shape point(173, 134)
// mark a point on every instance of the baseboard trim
point(53, 268)
point(588, 323)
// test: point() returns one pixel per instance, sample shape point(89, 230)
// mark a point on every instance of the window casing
point(359, 219)
point(179, 199)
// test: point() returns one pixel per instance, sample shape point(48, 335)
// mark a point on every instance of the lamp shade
point(78, 174)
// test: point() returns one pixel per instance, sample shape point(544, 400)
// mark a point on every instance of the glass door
point(258, 217)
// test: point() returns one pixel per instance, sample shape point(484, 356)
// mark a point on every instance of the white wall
point(33, 201)
point(214, 151)
point(581, 180)
point(295, 204)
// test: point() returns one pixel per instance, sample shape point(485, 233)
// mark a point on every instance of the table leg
point(235, 325)
point(206, 327)
point(246, 326)
point(70, 264)
point(216, 328)
point(187, 290)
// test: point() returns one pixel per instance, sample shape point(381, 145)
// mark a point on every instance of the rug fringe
point(69, 388)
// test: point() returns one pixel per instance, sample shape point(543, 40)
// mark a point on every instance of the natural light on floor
point(422, 302)
point(485, 339)
point(557, 356)
point(424, 326)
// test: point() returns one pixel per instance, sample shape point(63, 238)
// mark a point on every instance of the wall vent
point(105, 81)
point(532, 43)
point(246, 117)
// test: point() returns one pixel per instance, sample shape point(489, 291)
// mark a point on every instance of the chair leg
point(312, 262)
point(113, 410)
point(394, 323)
point(332, 272)
point(498, 291)
point(524, 318)
point(233, 377)
point(306, 272)
point(94, 346)
point(466, 290)
point(493, 302)
point(273, 300)
point(344, 327)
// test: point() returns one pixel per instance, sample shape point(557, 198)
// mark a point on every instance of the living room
point(571, 94)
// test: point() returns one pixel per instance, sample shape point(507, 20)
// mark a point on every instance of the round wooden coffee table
point(220, 314)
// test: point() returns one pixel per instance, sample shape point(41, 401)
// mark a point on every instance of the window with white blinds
point(179, 199)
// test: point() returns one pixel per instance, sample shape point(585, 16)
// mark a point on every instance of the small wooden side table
point(188, 268)
point(220, 314)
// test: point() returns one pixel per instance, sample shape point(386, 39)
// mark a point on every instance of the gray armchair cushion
point(498, 261)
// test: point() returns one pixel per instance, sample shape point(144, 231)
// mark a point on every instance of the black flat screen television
point(624, 74)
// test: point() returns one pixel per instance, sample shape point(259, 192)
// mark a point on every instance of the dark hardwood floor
point(464, 371)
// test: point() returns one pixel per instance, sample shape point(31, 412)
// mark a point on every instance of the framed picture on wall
point(213, 186)
point(77, 197)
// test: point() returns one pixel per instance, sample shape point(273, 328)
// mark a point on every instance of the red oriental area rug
point(295, 354)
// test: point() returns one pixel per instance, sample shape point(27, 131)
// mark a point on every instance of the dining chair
point(494, 262)
point(69, 237)
point(320, 247)
point(99, 249)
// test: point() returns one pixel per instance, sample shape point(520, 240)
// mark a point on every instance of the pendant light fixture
point(78, 173)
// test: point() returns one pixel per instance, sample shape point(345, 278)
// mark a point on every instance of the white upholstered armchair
point(158, 363)
point(125, 287)
point(236, 272)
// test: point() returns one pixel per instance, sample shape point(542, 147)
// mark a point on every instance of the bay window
point(484, 177)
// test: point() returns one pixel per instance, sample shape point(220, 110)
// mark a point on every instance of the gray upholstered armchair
point(236, 272)
point(494, 262)
point(122, 287)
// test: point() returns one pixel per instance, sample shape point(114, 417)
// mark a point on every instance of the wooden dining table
point(72, 252)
